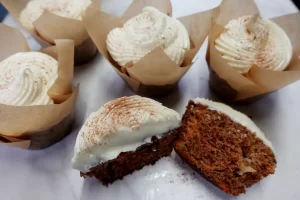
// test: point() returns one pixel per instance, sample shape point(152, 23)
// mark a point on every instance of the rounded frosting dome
point(251, 40)
point(25, 79)
point(143, 33)
point(121, 125)
point(73, 9)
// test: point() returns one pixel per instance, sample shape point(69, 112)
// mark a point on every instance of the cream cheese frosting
point(73, 9)
point(235, 116)
point(251, 40)
point(143, 33)
point(121, 125)
point(26, 77)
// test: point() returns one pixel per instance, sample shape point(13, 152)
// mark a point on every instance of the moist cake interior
point(128, 162)
point(222, 151)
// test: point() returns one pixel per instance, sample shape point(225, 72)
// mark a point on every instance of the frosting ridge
point(25, 79)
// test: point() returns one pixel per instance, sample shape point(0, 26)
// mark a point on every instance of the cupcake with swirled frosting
point(73, 9)
point(145, 32)
point(26, 77)
point(124, 135)
point(251, 40)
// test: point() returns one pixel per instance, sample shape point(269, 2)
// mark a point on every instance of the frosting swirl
point(251, 40)
point(120, 125)
point(143, 33)
point(25, 79)
point(73, 9)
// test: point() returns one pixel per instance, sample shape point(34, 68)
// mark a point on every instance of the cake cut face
point(124, 135)
point(224, 146)
point(130, 161)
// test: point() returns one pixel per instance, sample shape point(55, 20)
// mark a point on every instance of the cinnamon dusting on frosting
point(73, 9)
point(26, 77)
point(145, 32)
point(251, 40)
point(121, 125)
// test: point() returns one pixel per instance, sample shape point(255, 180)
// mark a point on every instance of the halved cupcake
point(224, 146)
point(124, 135)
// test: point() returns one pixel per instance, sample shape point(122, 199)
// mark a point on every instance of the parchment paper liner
point(155, 74)
point(36, 127)
point(232, 86)
point(50, 27)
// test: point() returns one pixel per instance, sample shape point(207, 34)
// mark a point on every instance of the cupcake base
point(225, 92)
point(128, 162)
point(85, 52)
point(156, 91)
point(220, 87)
point(44, 139)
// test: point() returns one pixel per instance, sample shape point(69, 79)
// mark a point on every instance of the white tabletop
point(47, 174)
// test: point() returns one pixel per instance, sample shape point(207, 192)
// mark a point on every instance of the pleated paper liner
point(37, 127)
point(231, 86)
point(50, 27)
point(155, 74)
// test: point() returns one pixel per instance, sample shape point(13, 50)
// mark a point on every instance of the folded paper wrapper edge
point(261, 81)
point(22, 144)
point(20, 122)
point(155, 69)
point(9, 34)
point(50, 27)
point(45, 138)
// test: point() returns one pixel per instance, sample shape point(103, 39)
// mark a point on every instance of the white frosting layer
point(249, 41)
point(236, 116)
point(143, 33)
point(120, 125)
point(66, 8)
point(25, 79)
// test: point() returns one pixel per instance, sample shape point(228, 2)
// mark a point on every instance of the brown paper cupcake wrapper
point(42, 139)
point(232, 86)
point(38, 127)
point(50, 27)
point(155, 74)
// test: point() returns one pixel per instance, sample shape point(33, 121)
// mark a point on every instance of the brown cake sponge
point(224, 152)
point(128, 162)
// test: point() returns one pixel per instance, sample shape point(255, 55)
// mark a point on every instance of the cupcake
point(123, 136)
point(148, 48)
point(48, 20)
point(224, 146)
point(143, 33)
point(253, 41)
point(250, 56)
point(37, 101)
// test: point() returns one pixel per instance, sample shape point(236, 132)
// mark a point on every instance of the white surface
point(47, 174)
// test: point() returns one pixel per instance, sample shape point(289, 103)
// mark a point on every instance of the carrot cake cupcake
point(224, 146)
point(124, 135)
